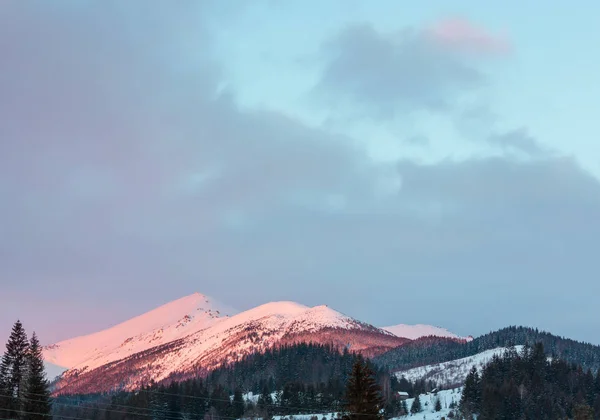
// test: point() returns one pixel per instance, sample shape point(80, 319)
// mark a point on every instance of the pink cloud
point(462, 35)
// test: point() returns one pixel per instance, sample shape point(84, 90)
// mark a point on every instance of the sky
point(430, 162)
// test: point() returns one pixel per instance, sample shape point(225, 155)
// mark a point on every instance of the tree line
point(287, 380)
point(431, 350)
point(24, 391)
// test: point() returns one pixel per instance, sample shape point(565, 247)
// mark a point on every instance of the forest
point(530, 385)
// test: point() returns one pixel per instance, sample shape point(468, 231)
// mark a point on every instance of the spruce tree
point(238, 405)
point(12, 371)
point(438, 404)
point(470, 402)
point(363, 394)
point(404, 407)
point(36, 395)
point(416, 405)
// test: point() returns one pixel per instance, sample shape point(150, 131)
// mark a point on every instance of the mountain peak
point(171, 321)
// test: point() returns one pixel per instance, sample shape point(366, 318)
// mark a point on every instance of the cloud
point(463, 237)
point(129, 175)
point(462, 35)
point(388, 72)
point(520, 140)
point(122, 157)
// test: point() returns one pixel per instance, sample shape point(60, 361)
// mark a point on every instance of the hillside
point(454, 372)
point(428, 351)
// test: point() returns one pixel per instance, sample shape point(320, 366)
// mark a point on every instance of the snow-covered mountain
point(192, 335)
point(163, 325)
point(414, 332)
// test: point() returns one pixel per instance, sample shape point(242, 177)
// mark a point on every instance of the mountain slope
point(425, 351)
point(211, 342)
point(454, 372)
point(165, 324)
point(414, 332)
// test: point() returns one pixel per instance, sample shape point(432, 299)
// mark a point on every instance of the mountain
point(165, 324)
point(192, 336)
point(414, 332)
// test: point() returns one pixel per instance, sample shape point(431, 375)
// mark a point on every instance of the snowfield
point(167, 323)
point(446, 397)
point(455, 371)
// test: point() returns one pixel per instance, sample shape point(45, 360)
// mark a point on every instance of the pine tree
point(36, 395)
point(416, 405)
point(363, 394)
point(265, 402)
point(470, 402)
point(438, 404)
point(404, 407)
point(12, 371)
point(238, 405)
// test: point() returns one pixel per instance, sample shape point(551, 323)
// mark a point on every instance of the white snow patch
point(447, 397)
point(454, 371)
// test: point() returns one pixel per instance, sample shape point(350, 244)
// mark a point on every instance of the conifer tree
point(416, 405)
point(363, 394)
point(470, 402)
point(438, 404)
point(36, 395)
point(238, 405)
point(404, 407)
point(12, 371)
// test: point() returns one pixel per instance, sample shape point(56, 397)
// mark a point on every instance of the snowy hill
point(191, 335)
point(453, 372)
point(414, 332)
point(446, 397)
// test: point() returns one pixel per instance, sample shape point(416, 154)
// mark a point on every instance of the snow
point(417, 331)
point(203, 335)
point(428, 403)
point(197, 331)
point(454, 371)
point(169, 322)
point(446, 397)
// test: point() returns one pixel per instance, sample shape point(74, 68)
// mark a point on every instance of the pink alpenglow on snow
point(192, 333)
point(462, 35)
point(164, 324)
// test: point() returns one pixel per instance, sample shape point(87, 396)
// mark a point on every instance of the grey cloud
point(392, 72)
point(476, 122)
point(473, 244)
point(520, 140)
point(110, 124)
point(108, 115)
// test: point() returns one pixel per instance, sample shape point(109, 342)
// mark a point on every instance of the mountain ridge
point(191, 334)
